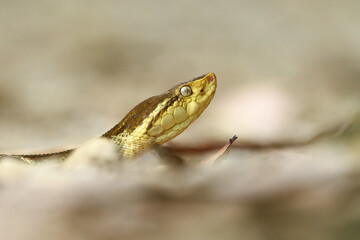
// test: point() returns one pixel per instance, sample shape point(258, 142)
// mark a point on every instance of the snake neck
point(33, 158)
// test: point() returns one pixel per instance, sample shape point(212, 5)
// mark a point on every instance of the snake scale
point(154, 121)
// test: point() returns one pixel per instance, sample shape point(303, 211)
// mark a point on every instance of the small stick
point(210, 161)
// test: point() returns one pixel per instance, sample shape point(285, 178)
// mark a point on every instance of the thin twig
point(210, 161)
point(334, 131)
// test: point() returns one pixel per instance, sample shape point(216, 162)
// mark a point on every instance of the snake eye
point(185, 91)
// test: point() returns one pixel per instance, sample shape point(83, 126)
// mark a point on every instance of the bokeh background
point(287, 70)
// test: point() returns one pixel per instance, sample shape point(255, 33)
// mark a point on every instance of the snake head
point(188, 101)
point(160, 118)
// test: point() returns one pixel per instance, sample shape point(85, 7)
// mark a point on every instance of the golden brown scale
point(156, 120)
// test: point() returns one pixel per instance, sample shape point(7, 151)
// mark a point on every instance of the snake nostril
point(211, 78)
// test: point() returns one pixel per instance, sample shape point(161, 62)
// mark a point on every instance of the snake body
point(156, 120)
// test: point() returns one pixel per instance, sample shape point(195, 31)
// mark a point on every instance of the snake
point(154, 121)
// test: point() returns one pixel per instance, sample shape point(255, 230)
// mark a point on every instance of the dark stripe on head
point(137, 115)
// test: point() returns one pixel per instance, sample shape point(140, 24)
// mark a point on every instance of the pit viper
point(154, 121)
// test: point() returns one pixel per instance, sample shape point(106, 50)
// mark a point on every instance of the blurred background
point(287, 70)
